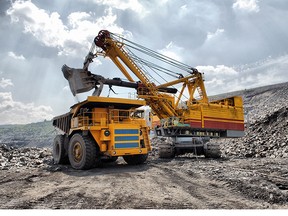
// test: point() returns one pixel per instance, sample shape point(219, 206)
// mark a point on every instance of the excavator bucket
point(79, 80)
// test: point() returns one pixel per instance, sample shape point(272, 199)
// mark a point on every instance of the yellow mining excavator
point(187, 119)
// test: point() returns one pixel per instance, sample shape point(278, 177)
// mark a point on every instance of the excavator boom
point(81, 80)
point(163, 105)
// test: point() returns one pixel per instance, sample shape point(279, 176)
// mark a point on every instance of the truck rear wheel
point(59, 153)
point(135, 159)
point(83, 152)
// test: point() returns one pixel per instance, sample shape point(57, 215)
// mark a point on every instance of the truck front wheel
point(82, 152)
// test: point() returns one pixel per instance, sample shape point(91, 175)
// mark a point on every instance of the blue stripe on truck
point(126, 131)
point(126, 138)
point(126, 145)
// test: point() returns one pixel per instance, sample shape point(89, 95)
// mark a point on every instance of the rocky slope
point(266, 117)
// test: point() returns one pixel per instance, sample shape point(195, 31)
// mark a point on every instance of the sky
point(237, 44)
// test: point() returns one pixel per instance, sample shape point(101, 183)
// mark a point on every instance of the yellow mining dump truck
point(100, 129)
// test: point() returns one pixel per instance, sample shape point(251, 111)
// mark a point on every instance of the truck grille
point(126, 138)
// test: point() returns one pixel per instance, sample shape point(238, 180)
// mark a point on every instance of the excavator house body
point(223, 118)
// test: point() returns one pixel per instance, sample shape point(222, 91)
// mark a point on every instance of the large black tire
point(135, 159)
point(83, 152)
point(109, 160)
point(59, 153)
point(212, 150)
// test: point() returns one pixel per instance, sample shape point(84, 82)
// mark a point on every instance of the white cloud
point(183, 7)
point(219, 70)
point(76, 18)
point(173, 51)
point(5, 83)
point(215, 82)
point(223, 79)
point(183, 10)
point(246, 6)
point(15, 112)
point(66, 88)
point(47, 28)
point(217, 78)
point(134, 5)
point(266, 72)
point(17, 57)
point(211, 35)
point(72, 39)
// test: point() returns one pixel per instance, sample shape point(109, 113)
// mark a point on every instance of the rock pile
point(16, 158)
point(266, 137)
point(264, 101)
point(154, 143)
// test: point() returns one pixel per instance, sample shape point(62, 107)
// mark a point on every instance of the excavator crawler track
point(212, 150)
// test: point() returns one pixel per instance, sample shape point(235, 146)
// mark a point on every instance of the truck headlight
point(107, 133)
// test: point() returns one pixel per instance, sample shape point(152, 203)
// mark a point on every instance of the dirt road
point(181, 183)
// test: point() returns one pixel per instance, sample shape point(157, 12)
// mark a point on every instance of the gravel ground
point(185, 182)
